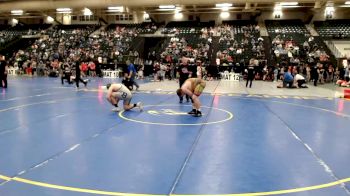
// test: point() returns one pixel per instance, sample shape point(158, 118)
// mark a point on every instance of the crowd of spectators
point(58, 47)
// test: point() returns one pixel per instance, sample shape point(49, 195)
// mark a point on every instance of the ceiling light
point(167, 6)
point(347, 3)
point(277, 7)
point(14, 21)
point(146, 15)
point(116, 9)
point(289, 3)
point(87, 12)
point(329, 9)
point(178, 15)
point(224, 14)
point(49, 19)
point(63, 9)
point(223, 5)
point(17, 12)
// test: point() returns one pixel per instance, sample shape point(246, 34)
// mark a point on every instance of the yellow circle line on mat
point(99, 192)
point(230, 116)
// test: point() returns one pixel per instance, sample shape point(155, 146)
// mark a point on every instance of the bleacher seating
point(9, 33)
point(292, 43)
point(333, 29)
point(285, 27)
point(239, 42)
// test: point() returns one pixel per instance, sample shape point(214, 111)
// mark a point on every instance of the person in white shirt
point(299, 80)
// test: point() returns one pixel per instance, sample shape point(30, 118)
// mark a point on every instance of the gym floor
point(57, 140)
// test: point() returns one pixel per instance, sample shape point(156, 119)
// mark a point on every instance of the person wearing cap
point(193, 87)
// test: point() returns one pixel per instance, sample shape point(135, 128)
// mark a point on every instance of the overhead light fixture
point(224, 14)
point(87, 12)
point(289, 3)
point(277, 7)
point(221, 5)
point(178, 15)
point(146, 16)
point(64, 10)
point(329, 9)
point(116, 9)
point(347, 3)
point(17, 12)
point(49, 19)
point(14, 22)
point(167, 7)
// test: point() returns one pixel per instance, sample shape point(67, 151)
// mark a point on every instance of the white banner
point(12, 71)
point(230, 76)
point(110, 74)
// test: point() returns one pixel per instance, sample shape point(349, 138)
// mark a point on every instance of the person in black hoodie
point(250, 75)
point(3, 72)
point(78, 73)
point(184, 75)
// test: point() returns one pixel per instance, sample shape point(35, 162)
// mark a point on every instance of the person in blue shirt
point(288, 79)
point(131, 74)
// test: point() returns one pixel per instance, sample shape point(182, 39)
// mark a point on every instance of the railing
point(334, 49)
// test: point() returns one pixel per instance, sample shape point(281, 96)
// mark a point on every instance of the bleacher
point(297, 41)
point(188, 41)
point(141, 28)
point(285, 27)
point(10, 33)
point(333, 29)
point(239, 36)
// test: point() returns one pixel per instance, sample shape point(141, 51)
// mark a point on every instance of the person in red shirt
point(84, 68)
point(92, 68)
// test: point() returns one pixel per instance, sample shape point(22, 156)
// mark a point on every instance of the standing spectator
point(347, 73)
point(78, 73)
point(275, 74)
point(84, 69)
point(3, 72)
point(140, 72)
point(250, 75)
point(131, 74)
point(199, 70)
point(184, 75)
point(156, 69)
point(331, 73)
point(315, 74)
point(308, 73)
point(92, 68)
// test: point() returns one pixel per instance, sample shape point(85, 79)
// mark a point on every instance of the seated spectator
point(343, 83)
